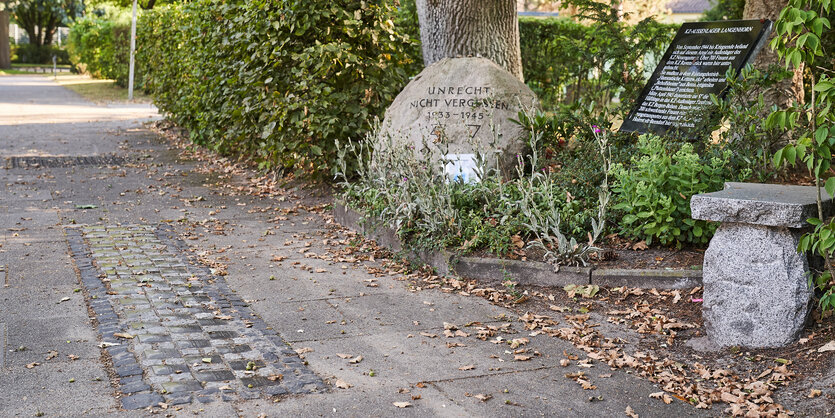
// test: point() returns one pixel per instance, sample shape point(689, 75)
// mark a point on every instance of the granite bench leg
point(756, 286)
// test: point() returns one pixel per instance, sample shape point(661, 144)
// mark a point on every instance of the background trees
point(40, 18)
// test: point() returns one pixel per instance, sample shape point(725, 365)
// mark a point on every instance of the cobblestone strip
point(175, 332)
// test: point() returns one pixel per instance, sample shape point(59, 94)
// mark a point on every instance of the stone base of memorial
point(756, 285)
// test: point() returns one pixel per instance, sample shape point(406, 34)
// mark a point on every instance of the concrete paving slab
point(48, 388)
point(42, 335)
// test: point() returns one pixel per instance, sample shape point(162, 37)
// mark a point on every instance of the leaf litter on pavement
point(638, 311)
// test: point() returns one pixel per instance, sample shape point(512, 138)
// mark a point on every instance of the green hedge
point(564, 60)
point(31, 54)
point(100, 46)
point(280, 81)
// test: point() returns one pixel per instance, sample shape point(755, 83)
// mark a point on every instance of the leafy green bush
point(565, 61)
point(742, 112)
point(32, 54)
point(724, 10)
point(99, 45)
point(653, 193)
point(276, 81)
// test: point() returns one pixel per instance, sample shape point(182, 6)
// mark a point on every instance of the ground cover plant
point(411, 191)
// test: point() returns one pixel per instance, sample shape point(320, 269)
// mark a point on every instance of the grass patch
point(99, 91)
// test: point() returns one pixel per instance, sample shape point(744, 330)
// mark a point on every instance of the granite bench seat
point(756, 285)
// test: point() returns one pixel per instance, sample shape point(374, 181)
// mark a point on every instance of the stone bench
point(756, 287)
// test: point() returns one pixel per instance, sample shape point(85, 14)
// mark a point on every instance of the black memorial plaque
point(693, 67)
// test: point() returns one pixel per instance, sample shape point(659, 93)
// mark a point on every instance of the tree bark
point(789, 90)
point(465, 28)
point(5, 46)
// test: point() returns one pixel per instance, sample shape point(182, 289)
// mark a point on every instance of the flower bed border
point(496, 270)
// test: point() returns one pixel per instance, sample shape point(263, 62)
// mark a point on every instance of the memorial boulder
point(465, 105)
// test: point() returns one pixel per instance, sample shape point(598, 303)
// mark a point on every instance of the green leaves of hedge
point(278, 80)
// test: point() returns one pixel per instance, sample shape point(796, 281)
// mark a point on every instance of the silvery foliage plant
point(417, 192)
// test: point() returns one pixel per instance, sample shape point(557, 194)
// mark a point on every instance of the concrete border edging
point(495, 270)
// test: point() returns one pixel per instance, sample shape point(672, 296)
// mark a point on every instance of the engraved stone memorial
point(466, 103)
point(692, 69)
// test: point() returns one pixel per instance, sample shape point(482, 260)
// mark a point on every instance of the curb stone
point(494, 270)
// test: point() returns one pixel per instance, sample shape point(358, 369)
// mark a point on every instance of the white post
point(132, 51)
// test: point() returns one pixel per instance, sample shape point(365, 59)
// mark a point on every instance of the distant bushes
point(565, 61)
point(31, 54)
point(99, 45)
point(277, 81)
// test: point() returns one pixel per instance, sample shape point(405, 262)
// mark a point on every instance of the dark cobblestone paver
point(192, 338)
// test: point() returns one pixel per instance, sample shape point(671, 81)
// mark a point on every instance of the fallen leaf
point(814, 393)
point(124, 335)
point(467, 367)
point(521, 357)
point(402, 404)
point(663, 396)
point(830, 346)
point(344, 356)
point(517, 241)
point(629, 411)
point(355, 360)
point(206, 359)
point(565, 362)
point(639, 246)
point(304, 350)
point(341, 384)
point(51, 354)
point(72, 356)
point(32, 365)
point(483, 397)
point(429, 335)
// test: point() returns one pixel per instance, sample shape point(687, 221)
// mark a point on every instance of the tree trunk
point(789, 90)
point(5, 47)
point(466, 28)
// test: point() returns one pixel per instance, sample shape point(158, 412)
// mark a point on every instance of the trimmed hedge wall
point(280, 81)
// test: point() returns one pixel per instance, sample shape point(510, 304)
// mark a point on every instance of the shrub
point(32, 54)
point(653, 193)
point(412, 193)
point(743, 111)
point(598, 62)
point(278, 81)
point(99, 45)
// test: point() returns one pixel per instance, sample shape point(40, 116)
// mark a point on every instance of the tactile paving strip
point(176, 333)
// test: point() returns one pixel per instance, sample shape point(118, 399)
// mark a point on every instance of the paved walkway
point(131, 278)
